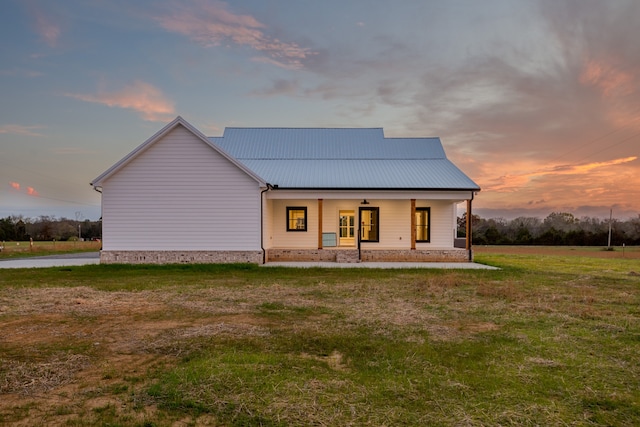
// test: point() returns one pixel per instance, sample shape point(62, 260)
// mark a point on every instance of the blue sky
point(537, 101)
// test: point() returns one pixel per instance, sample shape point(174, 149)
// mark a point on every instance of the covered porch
point(363, 226)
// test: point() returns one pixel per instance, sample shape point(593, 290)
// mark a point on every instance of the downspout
point(264, 252)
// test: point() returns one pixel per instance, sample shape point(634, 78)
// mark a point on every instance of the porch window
point(423, 218)
point(296, 218)
point(369, 225)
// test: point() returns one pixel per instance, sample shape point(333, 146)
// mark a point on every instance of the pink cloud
point(20, 130)
point(45, 25)
point(211, 24)
point(608, 79)
point(617, 88)
point(516, 181)
point(142, 97)
point(559, 187)
point(28, 190)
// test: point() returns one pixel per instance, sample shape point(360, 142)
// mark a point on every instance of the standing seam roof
point(322, 143)
point(343, 158)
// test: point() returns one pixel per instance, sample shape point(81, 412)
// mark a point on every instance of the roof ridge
point(411, 137)
point(350, 159)
point(299, 127)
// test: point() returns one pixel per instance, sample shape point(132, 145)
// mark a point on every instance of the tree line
point(559, 228)
point(19, 228)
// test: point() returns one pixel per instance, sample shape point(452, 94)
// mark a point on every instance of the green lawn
point(547, 340)
point(38, 248)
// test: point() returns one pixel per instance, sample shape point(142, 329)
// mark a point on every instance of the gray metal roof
point(343, 158)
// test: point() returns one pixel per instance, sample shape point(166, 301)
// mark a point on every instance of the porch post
point(319, 223)
point(469, 231)
point(413, 224)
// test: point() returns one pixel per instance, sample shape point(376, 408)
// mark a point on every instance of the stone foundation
point(180, 257)
point(286, 255)
point(417, 255)
point(348, 256)
point(301, 255)
point(368, 255)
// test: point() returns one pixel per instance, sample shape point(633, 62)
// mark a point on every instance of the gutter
point(377, 189)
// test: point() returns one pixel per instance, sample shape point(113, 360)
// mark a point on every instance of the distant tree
point(462, 223)
point(93, 229)
point(7, 229)
point(576, 238)
point(66, 229)
point(561, 221)
point(558, 228)
point(21, 230)
point(630, 230)
point(493, 236)
point(523, 236)
point(551, 237)
point(532, 224)
point(43, 228)
point(635, 226)
point(46, 228)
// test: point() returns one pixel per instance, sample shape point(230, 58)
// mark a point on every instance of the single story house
point(283, 194)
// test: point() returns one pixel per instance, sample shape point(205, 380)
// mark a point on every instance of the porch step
point(347, 256)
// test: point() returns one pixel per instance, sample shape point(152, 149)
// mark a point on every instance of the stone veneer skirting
point(180, 257)
point(417, 255)
point(301, 255)
point(368, 255)
point(287, 255)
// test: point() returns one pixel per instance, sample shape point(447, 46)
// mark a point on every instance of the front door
point(347, 228)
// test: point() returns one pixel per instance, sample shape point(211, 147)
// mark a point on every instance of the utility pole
point(609, 241)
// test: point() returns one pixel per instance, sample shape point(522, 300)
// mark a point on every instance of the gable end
point(178, 121)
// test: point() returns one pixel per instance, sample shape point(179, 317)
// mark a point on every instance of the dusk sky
point(537, 101)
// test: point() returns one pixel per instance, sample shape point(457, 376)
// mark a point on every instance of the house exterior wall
point(443, 217)
point(180, 195)
point(282, 238)
point(395, 223)
point(267, 222)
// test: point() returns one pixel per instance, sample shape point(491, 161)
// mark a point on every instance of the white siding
point(267, 223)
point(281, 238)
point(442, 223)
point(180, 194)
point(395, 223)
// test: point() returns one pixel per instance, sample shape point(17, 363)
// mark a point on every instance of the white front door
point(347, 228)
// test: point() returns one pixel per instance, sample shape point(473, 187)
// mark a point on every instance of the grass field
point(551, 339)
point(26, 249)
point(614, 252)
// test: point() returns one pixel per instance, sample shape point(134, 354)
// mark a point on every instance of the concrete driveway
point(83, 258)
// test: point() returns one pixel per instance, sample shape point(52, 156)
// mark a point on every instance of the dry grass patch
point(239, 345)
point(31, 378)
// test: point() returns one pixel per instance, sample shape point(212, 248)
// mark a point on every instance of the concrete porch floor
point(384, 265)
